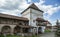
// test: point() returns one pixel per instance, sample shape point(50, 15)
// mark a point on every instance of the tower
point(32, 13)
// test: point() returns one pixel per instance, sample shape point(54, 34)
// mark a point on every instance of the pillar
point(12, 29)
point(37, 30)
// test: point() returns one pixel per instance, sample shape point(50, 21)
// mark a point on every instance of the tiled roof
point(12, 17)
point(40, 19)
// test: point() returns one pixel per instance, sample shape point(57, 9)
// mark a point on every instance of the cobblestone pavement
point(51, 34)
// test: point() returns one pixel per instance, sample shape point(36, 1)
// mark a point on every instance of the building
point(48, 26)
point(56, 26)
point(31, 21)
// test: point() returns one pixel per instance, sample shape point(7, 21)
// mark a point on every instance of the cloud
point(24, 5)
point(2, 2)
point(59, 20)
point(15, 7)
point(49, 9)
point(14, 12)
point(12, 6)
point(9, 4)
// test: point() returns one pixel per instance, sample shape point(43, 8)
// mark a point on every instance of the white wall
point(49, 25)
point(32, 14)
point(37, 13)
point(26, 14)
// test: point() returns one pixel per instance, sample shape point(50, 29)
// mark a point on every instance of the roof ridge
point(33, 6)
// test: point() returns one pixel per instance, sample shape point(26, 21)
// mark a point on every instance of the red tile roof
point(40, 19)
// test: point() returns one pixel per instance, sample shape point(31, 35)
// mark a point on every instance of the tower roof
point(33, 6)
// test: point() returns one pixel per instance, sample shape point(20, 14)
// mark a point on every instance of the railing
point(40, 24)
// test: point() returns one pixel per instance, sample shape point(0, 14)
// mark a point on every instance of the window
point(33, 20)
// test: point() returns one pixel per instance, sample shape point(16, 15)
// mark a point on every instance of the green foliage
point(48, 30)
point(10, 36)
point(18, 36)
point(1, 36)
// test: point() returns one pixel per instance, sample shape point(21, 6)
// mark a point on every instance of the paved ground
point(51, 34)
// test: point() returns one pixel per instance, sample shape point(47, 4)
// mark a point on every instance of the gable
point(33, 6)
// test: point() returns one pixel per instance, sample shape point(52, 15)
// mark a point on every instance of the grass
point(18, 36)
point(13, 36)
point(10, 36)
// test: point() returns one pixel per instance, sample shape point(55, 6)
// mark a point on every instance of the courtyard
point(50, 34)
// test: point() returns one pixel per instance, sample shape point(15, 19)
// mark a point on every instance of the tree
point(58, 29)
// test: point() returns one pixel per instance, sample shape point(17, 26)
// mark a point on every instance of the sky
point(51, 8)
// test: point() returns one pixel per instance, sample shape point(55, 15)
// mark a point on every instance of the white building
point(33, 13)
point(30, 21)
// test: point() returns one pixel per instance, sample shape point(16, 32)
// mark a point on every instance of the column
point(37, 30)
point(12, 29)
point(21, 30)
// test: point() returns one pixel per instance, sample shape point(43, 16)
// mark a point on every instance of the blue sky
point(52, 2)
point(55, 15)
point(51, 8)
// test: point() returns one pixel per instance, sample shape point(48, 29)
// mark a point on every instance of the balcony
point(41, 24)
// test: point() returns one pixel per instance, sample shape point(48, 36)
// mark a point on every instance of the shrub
point(10, 36)
point(48, 30)
point(1, 36)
